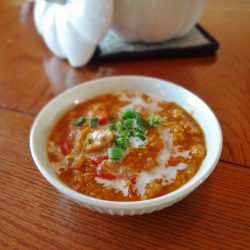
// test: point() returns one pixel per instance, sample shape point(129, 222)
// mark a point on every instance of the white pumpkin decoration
point(155, 20)
point(73, 28)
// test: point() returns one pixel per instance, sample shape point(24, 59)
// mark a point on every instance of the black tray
point(197, 42)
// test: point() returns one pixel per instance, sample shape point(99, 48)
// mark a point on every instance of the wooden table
point(34, 215)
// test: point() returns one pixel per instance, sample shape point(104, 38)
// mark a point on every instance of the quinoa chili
point(126, 146)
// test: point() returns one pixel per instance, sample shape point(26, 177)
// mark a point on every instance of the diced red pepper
point(103, 117)
point(98, 159)
point(105, 175)
point(64, 147)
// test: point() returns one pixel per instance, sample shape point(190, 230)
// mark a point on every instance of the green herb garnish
point(153, 120)
point(129, 123)
point(87, 141)
point(93, 122)
point(129, 113)
point(122, 142)
point(115, 153)
point(132, 124)
point(140, 136)
point(79, 121)
point(112, 126)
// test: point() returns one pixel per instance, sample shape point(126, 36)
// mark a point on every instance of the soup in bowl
point(126, 145)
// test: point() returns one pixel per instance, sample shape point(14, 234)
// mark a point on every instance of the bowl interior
point(167, 90)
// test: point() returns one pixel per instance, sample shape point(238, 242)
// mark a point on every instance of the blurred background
point(7, 4)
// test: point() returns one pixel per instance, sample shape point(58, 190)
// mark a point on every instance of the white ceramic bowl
point(169, 91)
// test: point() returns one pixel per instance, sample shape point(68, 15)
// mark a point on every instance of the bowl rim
point(90, 201)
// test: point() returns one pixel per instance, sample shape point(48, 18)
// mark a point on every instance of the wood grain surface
point(34, 215)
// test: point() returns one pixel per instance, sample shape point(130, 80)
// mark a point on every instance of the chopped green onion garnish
point(138, 116)
point(112, 126)
point(153, 120)
point(137, 130)
point(140, 136)
point(129, 113)
point(129, 122)
point(122, 142)
point(93, 122)
point(87, 141)
point(133, 124)
point(119, 127)
point(142, 126)
point(115, 153)
point(79, 121)
point(125, 133)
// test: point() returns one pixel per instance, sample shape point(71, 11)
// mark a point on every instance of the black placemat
point(196, 43)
